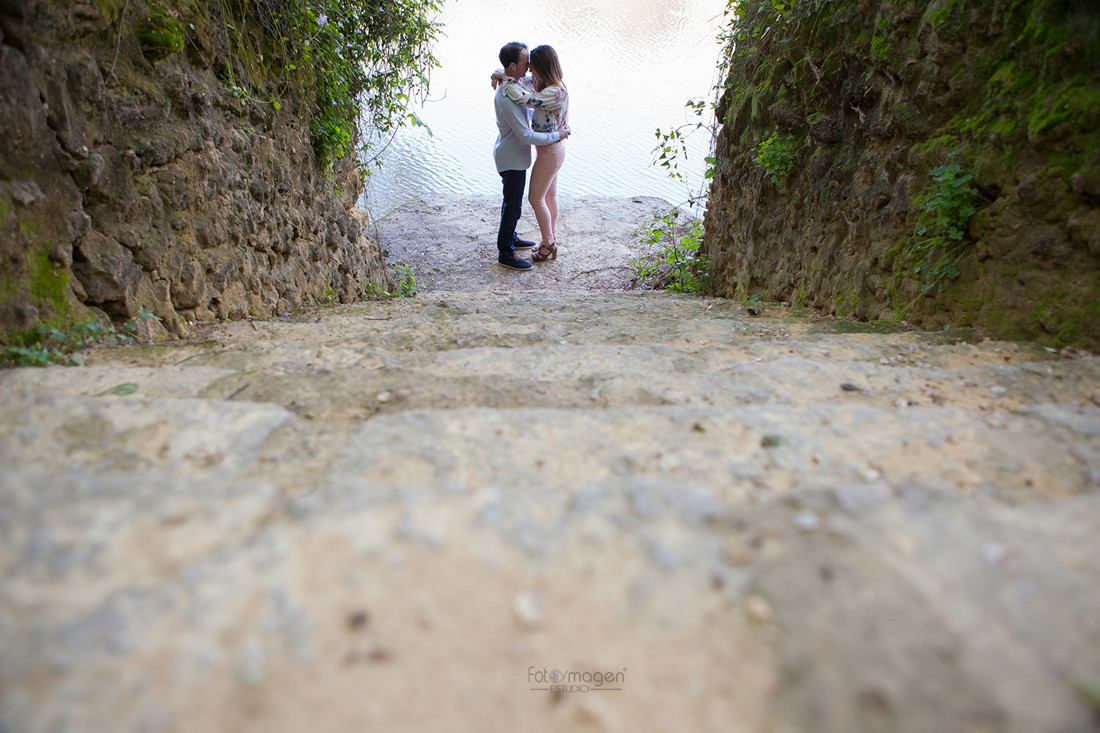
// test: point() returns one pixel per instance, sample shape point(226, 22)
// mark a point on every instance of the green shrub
point(776, 156)
point(406, 280)
point(939, 235)
point(44, 345)
point(676, 265)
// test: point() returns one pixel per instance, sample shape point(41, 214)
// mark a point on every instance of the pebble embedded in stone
point(758, 610)
point(807, 521)
point(527, 609)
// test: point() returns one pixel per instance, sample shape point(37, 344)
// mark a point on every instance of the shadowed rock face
point(874, 96)
point(142, 182)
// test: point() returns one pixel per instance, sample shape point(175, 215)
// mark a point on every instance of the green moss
point(1009, 78)
point(9, 287)
point(941, 149)
point(50, 285)
point(846, 326)
point(880, 46)
point(846, 303)
point(1004, 127)
point(1076, 102)
point(941, 14)
point(971, 306)
point(1075, 324)
point(28, 227)
point(160, 33)
point(1060, 314)
point(109, 9)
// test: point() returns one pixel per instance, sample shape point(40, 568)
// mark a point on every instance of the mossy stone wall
point(143, 165)
point(878, 95)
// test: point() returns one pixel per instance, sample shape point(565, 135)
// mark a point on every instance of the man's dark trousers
point(513, 183)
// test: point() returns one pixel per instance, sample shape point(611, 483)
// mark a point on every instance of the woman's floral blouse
point(550, 106)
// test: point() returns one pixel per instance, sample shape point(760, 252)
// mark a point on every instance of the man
point(512, 154)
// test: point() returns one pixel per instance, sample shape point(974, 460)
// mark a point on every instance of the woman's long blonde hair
point(544, 60)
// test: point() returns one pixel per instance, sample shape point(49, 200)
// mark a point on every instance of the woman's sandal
point(546, 252)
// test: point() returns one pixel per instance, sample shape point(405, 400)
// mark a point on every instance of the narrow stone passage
point(547, 510)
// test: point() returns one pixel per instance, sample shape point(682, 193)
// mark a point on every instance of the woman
point(546, 94)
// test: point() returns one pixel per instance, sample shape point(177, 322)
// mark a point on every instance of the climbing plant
point(353, 62)
point(943, 211)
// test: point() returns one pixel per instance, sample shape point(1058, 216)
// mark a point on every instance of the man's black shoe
point(524, 244)
point(514, 263)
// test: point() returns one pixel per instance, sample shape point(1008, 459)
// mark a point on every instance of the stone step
point(685, 524)
point(318, 385)
point(753, 451)
point(365, 503)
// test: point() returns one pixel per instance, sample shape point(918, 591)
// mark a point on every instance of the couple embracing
point(530, 110)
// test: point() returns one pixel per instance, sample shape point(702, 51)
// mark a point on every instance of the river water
point(630, 66)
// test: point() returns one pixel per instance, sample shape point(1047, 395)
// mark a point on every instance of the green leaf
point(120, 389)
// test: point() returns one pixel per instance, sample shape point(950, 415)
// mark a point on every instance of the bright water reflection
point(630, 66)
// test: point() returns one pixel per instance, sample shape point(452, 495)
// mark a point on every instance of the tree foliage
point(352, 61)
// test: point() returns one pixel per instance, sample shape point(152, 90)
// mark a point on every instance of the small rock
point(384, 397)
point(870, 474)
point(668, 462)
point(901, 403)
point(737, 555)
point(527, 608)
point(758, 610)
point(999, 555)
point(368, 651)
point(997, 391)
point(357, 620)
point(26, 192)
point(807, 521)
point(591, 714)
point(301, 507)
point(850, 387)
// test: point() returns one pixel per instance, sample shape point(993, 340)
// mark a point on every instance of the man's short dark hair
point(510, 53)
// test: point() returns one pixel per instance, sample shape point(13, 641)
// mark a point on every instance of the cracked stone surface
point(429, 513)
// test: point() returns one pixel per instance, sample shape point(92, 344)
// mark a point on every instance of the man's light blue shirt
point(512, 151)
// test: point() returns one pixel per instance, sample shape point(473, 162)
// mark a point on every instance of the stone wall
point(874, 96)
point(132, 176)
